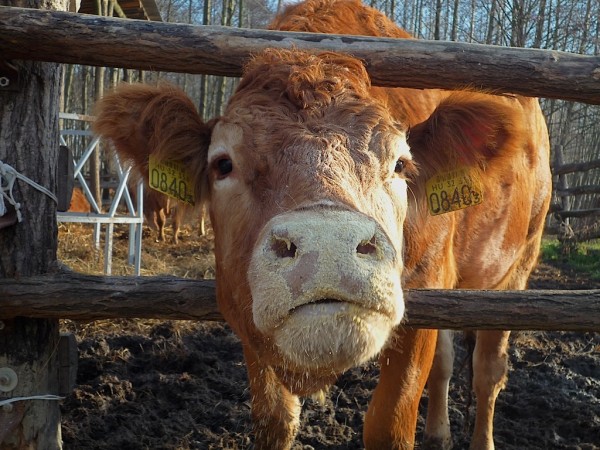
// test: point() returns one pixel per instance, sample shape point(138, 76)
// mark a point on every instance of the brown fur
point(303, 129)
point(141, 118)
point(157, 208)
point(78, 202)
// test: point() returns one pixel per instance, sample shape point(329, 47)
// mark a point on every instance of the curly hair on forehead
point(307, 80)
point(336, 17)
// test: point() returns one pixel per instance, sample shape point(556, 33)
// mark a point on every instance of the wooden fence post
point(565, 236)
point(28, 347)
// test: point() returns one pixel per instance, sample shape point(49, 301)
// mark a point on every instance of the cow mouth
point(329, 307)
point(332, 334)
point(332, 306)
point(320, 304)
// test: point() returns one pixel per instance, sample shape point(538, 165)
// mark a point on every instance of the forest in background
point(566, 25)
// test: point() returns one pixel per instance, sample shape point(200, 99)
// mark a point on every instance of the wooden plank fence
point(101, 41)
point(86, 297)
point(30, 34)
point(563, 210)
point(75, 38)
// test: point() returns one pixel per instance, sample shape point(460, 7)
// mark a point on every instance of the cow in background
point(319, 203)
point(158, 207)
point(79, 202)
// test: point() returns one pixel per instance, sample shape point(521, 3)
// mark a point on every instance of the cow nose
point(339, 234)
point(324, 255)
point(283, 247)
point(367, 247)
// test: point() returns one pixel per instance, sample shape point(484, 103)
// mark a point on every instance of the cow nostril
point(367, 247)
point(283, 248)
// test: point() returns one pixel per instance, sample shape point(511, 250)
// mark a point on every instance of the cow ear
point(162, 121)
point(467, 128)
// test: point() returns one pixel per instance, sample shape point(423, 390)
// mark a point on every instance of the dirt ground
point(145, 384)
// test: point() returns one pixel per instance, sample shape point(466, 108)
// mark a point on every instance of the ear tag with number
point(172, 179)
point(454, 190)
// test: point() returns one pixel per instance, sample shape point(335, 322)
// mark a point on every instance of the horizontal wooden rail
point(579, 190)
point(101, 41)
point(86, 297)
point(578, 213)
point(579, 166)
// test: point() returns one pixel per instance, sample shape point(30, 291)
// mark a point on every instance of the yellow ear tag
point(453, 190)
point(172, 179)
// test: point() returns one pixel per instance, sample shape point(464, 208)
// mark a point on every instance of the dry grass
point(192, 257)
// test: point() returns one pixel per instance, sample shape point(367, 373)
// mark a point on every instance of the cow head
point(305, 178)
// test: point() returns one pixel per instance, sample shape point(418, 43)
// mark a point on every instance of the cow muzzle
point(326, 287)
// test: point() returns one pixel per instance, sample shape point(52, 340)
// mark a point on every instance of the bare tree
point(491, 22)
point(438, 13)
point(454, 29)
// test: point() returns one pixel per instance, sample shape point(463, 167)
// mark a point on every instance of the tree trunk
point(203, 102)
point(29, 143)
point(539, 25)
point(68, 87)
point(227, 13)
point(454, 30)
point(438, 13)
point(95, 163)
point(491, 23)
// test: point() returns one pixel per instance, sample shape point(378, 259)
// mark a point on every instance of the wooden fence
point(563, 211)
point(69, 38)
point(86, 297)
point(102, 41)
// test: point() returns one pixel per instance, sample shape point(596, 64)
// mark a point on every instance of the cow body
point(157, 208)
point(320, 216)
point(79, 202)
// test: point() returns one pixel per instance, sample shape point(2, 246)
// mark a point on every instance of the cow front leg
point(176, 224)
point(160, 219)
point(437, 425)
point(275, 411)
point(490, 366)
point(391, 419)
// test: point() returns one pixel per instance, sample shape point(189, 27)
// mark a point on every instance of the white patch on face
point(326, 285)
point(332, 336)
point(399, 187)
point(226, 139)
point(402, 150)
point(391, 199)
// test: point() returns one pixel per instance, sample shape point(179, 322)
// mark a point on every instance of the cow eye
point(223, 166)
point(400, 166)
point(406, 168)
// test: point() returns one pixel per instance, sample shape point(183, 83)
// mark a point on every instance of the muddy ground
point(147, 384)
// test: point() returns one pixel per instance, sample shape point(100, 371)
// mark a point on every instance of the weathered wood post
point(28, 347)
point(566, 236)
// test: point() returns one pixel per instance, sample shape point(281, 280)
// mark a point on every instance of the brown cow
point(79, 202)
point(321, 217)
point(157, 208)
